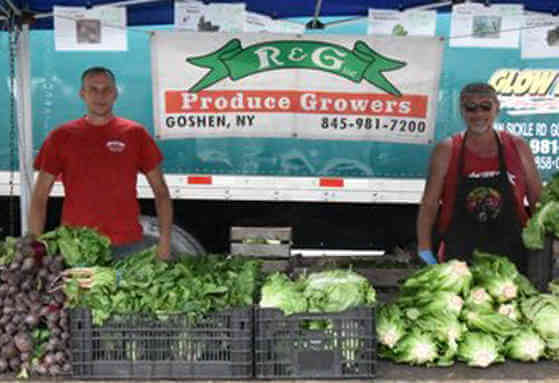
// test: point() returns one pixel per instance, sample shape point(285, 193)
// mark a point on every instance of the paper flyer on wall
point(494, 26)
point(282, 26)
point(540, 36)
point(256, 22)
point(199, 17)
point(96, 29)
point(187, 14)
point(396, 23)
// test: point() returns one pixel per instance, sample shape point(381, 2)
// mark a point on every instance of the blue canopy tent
point(153, 12)
point(19, 16)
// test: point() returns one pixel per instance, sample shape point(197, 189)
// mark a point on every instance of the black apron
point(485, 216)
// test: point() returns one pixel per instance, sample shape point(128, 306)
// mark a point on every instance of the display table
point(388, 372)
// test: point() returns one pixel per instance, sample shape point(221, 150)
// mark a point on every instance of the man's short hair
point(98, 70)
point(480, 88)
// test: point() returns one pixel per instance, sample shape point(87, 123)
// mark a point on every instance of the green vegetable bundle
point(545, 220)
point(326, 291)
point(80, 246)
point(142, 283)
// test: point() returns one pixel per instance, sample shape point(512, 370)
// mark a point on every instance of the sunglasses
point(471, 107)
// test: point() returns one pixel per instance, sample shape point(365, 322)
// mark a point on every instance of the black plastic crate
point(315, 345)
point(140, 347)
point(539, 264)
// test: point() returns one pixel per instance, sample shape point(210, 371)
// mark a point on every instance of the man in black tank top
point(485, 215)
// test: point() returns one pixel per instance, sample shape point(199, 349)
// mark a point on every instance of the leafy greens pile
point(478, 314)
point(142, 283)
point(326, 291)
point(80, 246)
point(545, 219)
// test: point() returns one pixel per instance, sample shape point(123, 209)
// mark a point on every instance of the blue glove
point(427, 256)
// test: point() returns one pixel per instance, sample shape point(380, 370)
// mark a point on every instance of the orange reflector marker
point(332, 182)
point(199, 180)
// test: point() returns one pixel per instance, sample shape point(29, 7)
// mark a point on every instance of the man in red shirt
point(98, 158)
point(479, 179)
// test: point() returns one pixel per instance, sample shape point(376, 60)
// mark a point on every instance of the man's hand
point(427, 257)
point(164, 250)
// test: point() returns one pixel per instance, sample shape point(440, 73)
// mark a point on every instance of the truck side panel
point(284, 169)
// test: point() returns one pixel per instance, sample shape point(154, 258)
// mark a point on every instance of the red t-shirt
point(475, 166)
point(99, 167)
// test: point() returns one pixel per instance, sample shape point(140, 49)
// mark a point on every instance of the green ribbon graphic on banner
point(235, 62)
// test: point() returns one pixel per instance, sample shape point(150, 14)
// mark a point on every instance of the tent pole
point(4, 11)
point(24, 123)
point(317, 8)
point(14, 9)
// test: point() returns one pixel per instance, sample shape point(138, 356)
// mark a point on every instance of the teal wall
point(55, 87)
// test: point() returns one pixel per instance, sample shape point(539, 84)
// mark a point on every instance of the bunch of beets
point(34, 326)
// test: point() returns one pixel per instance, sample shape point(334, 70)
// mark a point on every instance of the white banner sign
point(327, 87)
point(494, 26)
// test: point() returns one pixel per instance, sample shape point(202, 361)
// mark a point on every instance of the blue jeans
point(123, 251)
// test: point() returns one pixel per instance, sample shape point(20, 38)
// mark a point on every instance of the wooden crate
point(265, 242)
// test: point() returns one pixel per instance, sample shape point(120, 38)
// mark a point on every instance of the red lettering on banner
point(332, 182)
point(199, 180)
point(280, 101)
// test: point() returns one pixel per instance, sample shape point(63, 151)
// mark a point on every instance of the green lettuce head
point(478, 349)
point(443, 326)
point(543, 313)
point(453, 276)
point(545, 220)
point(525, 346)
point(479, 300)
point(436, 301)
point(550, 190)
point(510, 310)
point(497, 274)
point(391, 326)
point(280, 292)
point(491, 322)
point(416, 348)
point(337, 290)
